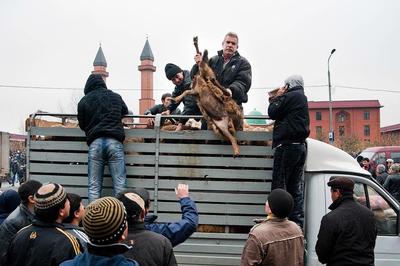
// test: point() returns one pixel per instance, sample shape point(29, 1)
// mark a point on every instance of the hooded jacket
point(107, 255)
point(100, 111)
point(9, 201)
point(290, 112)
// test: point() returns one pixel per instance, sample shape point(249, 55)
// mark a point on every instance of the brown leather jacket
point(274, 242)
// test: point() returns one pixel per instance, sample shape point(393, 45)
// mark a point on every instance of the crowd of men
point(52, 227)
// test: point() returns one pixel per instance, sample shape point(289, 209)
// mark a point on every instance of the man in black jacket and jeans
point(347, 234)
point(100, 114)
point(289, 108)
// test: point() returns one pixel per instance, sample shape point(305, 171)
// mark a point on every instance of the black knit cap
point(104, 221)
point(171, 70)
point(343, 183)
point(280, 202)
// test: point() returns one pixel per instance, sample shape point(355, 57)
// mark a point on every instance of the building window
point(366, 115)
point(318, 131)
point(341, 117)
point(341, 130)
point(367, 131)
point(318, 116)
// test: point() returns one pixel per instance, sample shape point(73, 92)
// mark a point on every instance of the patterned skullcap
point(49, 195)
point(105, 220)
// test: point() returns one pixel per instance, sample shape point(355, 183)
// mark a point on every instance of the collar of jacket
point(339, 201)
point(133, 227)
point(296, 88)
point(72, 226)
point(221, 52)
point(272, 218)
point(40, 223)
point(29, 215)
point(109, 250)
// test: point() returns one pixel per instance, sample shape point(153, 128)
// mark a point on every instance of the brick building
point(392, 131)
point(359, 118)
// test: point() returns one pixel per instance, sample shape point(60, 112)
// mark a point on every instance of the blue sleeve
point(181, 230)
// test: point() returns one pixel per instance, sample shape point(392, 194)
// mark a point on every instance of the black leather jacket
point(18, 219)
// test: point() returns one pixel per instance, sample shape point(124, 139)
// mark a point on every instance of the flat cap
point(341, 182)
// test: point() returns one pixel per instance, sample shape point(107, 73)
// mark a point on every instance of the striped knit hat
point(105, 220)
point(48, 196)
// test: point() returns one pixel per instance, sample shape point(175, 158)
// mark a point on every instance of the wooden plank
point(210, 249)
point(194, 259)
point(210, 135)
point(59, 145)
point(164, 160)
point(218, 197)
point(212, 219)
point(215, 208)
point(170, 172)
point(81, 180)
point(214, 149)
point(57, 131)
point(208, 173)
point(150, 147)
point(81, 169)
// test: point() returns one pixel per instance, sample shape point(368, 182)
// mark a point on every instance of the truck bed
point(229, 192)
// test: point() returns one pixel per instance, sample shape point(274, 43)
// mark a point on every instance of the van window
point(380, 158)
point(395, 156)
point(385, 216)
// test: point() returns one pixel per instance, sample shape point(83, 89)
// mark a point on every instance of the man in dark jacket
point(162, 109)
point(232, 70)
point(150, 249)
point(177, 232)
point(347, 234)
point(392, 182)
point(182, 81)
point(21, 216)
point(289, 108)
point(44, 242)
point(105, 223)
point(100, 114)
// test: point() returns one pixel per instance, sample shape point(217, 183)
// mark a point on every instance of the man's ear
point(31, 199)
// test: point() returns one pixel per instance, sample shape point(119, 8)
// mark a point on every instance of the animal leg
point(223, 126)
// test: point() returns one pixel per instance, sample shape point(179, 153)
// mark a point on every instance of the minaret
point(100, 64)
point(146, 68)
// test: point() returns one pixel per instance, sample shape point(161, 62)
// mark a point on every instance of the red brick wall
point(354, 124)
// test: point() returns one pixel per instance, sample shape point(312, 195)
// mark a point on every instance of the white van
point(325, 161)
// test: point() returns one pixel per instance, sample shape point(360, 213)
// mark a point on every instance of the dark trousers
point(287, 174)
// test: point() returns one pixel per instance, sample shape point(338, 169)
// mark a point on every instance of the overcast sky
point(51, 43)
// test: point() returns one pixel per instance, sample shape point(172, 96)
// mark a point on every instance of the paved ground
point(5, 185)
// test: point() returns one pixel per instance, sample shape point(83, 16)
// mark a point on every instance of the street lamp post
point(331, 132)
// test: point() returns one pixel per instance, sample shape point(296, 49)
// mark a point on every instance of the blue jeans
point(102, 151)
point(288, 174)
